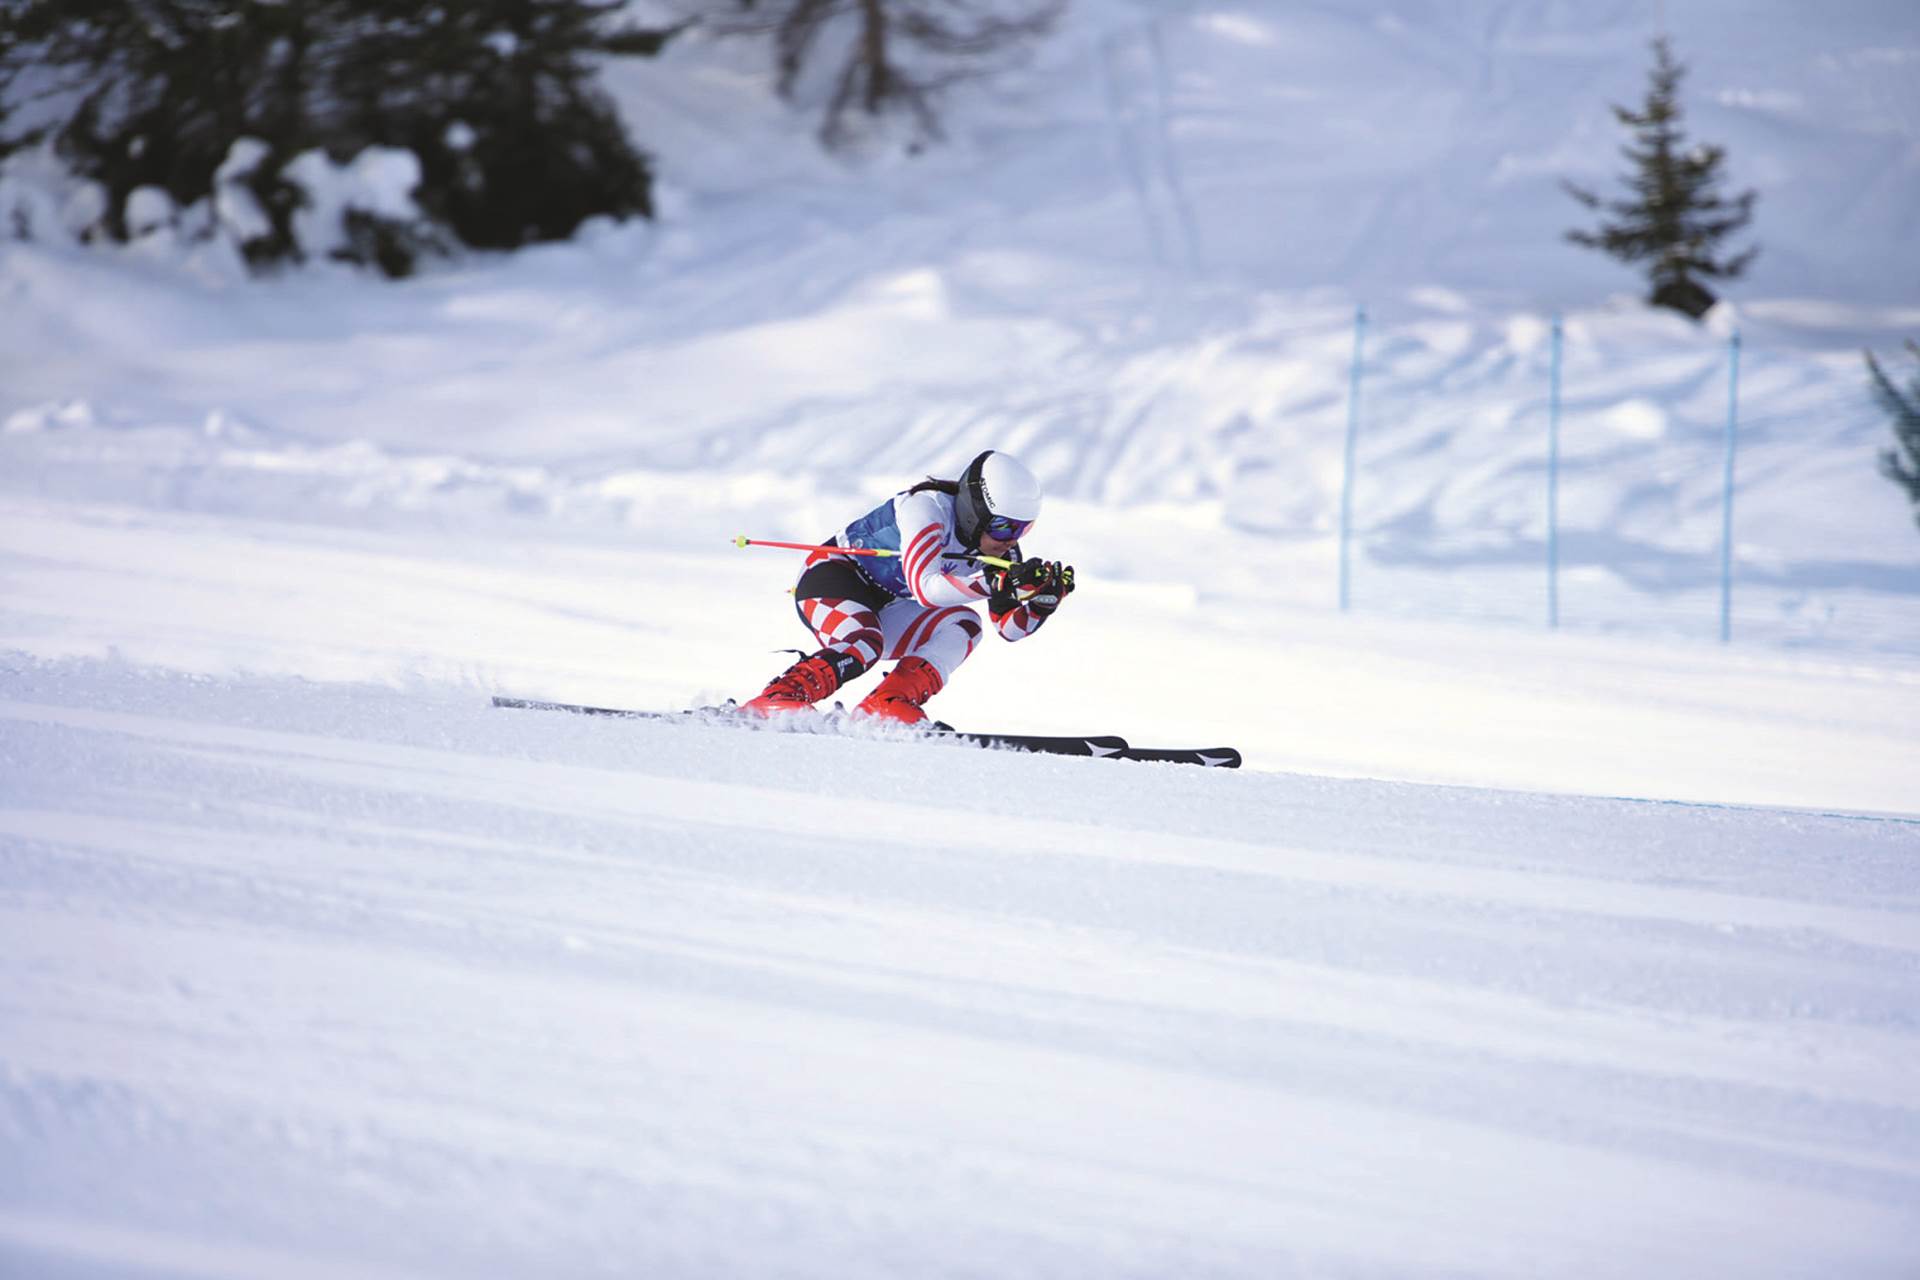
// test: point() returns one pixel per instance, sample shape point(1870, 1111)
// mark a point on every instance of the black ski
point(1098, 746)
point(1208, 757)
point(1103, 746)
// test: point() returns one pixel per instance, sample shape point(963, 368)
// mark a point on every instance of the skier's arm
point(930, 576)
point(1024, 596)
point(1017, 623)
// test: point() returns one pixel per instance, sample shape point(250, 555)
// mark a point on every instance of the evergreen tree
point(11, 66)
point(1676, 219)
point(494, 97)
point(1903, 407)
point(161, 89)
point(886, 57)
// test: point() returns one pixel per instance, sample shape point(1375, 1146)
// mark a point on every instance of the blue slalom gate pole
point(1346, 482)
point(1553, 484)
point(1726, 505)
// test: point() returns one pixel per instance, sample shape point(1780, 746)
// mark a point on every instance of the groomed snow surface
point(1511, 952)
point(318, 980)
point(317, 965)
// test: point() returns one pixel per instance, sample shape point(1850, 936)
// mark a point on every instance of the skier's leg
point(940, 637)
point(931, 644)
point(842, 609)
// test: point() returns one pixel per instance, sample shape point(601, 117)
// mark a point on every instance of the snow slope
point(306, 975)
point(1512, 952)
point(323, 980)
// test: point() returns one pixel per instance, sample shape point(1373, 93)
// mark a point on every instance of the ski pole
point(744, 541)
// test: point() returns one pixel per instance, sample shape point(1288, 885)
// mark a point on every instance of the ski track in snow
point(340, 981)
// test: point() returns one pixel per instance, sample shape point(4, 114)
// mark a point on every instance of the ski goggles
point(1006, 528)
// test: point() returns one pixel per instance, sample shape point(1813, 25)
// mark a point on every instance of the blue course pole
point(1553, 484)
point(1346, 482)
point(1726, 505)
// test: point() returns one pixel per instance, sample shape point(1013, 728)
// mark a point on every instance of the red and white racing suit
point(917, 604)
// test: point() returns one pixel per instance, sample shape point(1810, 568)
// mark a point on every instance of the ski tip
point(1206, 757)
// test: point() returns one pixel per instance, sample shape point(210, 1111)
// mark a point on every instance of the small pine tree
point(1903, 407)
point(1675, 220)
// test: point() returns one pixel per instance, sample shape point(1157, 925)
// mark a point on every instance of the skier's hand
point(1038, 584)
point(1056, 583)
point(1013, 586)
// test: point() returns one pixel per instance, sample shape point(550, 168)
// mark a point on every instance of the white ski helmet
point(997, 496)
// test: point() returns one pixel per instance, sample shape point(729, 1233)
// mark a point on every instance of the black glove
point(1038, 584)
point(1005, 586)
point(1056, 586)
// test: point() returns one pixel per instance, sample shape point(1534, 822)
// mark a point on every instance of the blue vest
point(879, 530)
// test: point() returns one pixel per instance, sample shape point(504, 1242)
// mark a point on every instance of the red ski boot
point(901, 694)
point(797, 689)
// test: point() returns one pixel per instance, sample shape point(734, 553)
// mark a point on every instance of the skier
point(916, 606)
